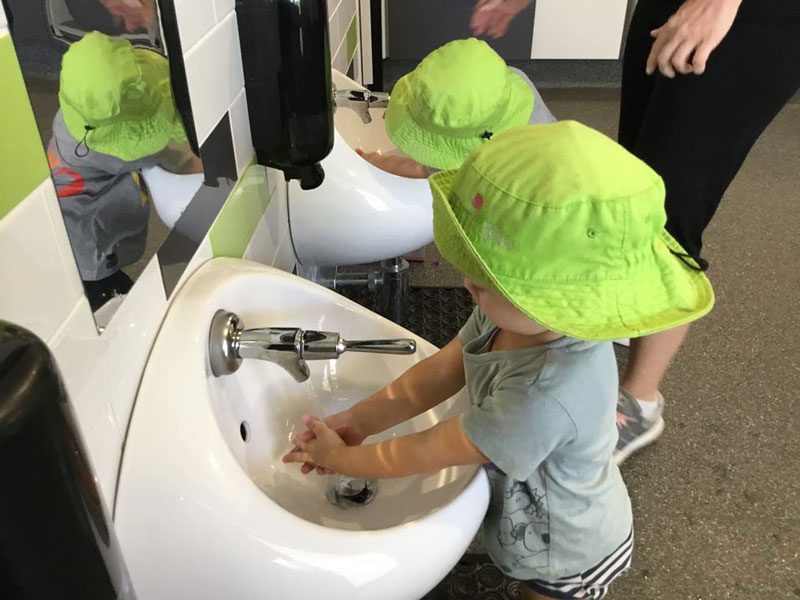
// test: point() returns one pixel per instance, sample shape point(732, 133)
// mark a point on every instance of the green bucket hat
point(117, 98)
point(454, 101)
point(569, 227)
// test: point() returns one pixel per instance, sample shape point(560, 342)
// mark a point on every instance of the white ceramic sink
point(202, 513)
point(360, 213)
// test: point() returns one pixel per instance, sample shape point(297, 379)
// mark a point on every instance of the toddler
point(116, 117)
point(457, 98)
point(560, 235)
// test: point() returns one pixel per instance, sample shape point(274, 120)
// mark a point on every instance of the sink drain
point(349, 492)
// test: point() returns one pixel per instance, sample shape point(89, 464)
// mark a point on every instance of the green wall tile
point(352, 38)
point(237, 221)
point(22, 160)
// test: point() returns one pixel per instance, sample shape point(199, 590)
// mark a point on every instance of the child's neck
point(510, 340)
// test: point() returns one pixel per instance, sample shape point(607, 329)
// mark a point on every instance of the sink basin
point(206, 509)
point(360, 213)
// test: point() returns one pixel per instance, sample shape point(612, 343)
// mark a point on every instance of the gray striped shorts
point(591, 583)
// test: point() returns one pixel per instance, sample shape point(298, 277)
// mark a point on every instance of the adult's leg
point(696, 131)
point(648, 360)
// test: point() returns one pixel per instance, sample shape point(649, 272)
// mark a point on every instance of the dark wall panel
point(416, 27)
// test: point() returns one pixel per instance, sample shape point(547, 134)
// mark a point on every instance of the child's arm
point(178, 158)
point(443, 445)
point(423, 386)
point(402, 166)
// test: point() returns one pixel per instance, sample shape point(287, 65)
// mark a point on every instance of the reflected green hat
point(569, 227)
point(454, 101)
point(118, 97)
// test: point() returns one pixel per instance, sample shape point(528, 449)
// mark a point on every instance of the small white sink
point(360, 213)
point(205, 507)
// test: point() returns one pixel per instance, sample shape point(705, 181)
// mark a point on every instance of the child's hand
point(396, 165)
point(344, 424)
point(320, 450)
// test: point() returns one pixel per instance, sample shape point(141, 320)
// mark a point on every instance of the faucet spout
point(361, 100)
point(288, 347)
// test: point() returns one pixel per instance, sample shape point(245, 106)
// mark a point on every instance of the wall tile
point(278, 220)
point(222, 8)
point(240, 129)
point(238, 219)
point(42, 294)
point(558, 33)
point(332, 6)
point(21, 154)
point(195, 19)
point(214, 73)
point(262, 247)
point(333, 32)
point(352, 38)
point(2, 19)
point(105, 370)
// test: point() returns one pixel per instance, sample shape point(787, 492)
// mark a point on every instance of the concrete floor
point(717, 499)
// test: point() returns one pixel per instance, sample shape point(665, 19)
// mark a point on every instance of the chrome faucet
point(360, 100)
point(289, 347)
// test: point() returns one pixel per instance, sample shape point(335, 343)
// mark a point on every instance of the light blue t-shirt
point(545, 417)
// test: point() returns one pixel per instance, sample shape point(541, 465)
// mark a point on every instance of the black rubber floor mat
point(475, 577)
point(434, 313)
point(437, 314)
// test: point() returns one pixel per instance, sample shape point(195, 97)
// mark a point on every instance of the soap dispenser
point(287, 70)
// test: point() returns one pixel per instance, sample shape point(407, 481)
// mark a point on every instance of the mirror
point(111, 109)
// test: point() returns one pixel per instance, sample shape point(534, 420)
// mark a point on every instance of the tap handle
point(400, 346)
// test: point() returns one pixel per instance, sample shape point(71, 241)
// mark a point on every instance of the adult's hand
point(684, 43)
point(492, 17)
point(137, 14)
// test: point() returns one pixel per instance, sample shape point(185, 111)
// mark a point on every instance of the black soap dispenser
point(287, 70)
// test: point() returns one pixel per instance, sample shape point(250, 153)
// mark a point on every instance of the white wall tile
point(240, 130)
point(106, 436)
point(214, 73)
point(3, 30)
point(332, 6)
point(222, 8)
point(285, 258)
point(333, 31)
point(195, 19)
point(105, 370)
point(339, 61)
point(579, 29)
point(262, 248)
point(41, 294)
point(346, 13)
point(271, 243)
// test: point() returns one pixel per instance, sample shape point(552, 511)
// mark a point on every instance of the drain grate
point(349, 492)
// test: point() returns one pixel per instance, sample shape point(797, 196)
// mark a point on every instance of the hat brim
point(662, 292)
point(133, 139)
point(441, 149)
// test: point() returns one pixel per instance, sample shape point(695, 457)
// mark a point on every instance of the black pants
point(695, 131)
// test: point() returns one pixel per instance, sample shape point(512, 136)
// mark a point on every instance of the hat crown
point(105, 79)
point(462, 85)
point(558, 202)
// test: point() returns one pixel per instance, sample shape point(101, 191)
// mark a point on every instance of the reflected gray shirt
point(102, 200)
point(545, 417)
